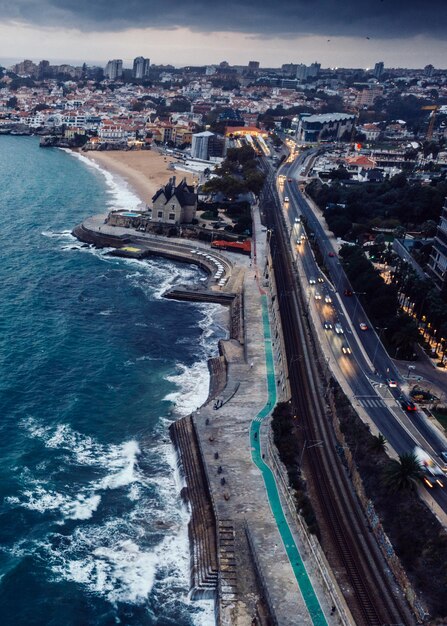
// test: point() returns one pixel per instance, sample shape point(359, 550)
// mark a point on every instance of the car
point(320, 279)
point(327, 299)
point(312, 281)
point(317, 295)
point(286, 198)
point(297, 220)
point(348, 292)
point(338, 329)
point(346, 349)
point(289, 180)
point(298, 242)
point(391, 383)
point(363, 326)
point(327, 325)
point(407, 405)
point(331, 254)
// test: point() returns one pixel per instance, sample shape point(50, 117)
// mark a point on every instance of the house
point(174, 204)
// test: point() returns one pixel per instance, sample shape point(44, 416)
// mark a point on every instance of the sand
point(145, 171)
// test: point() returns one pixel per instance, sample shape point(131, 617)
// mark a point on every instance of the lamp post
point(357, 293)
point(377, 344)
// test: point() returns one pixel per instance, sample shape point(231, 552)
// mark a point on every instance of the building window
point(172, 216)
point(160, 214)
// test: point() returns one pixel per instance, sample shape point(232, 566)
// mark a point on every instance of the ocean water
point(94, 365)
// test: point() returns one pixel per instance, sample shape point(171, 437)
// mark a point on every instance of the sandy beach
point(145, 171)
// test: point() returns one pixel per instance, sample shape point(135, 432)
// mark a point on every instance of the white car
point(286, 198)
point(391, 383)
point(312, 281)
point(338, 329)
point(363, 326)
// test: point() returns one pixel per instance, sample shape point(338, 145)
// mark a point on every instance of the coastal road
point(369, 366)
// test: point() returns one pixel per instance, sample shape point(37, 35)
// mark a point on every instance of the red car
point(348, 292)
point(331, 253)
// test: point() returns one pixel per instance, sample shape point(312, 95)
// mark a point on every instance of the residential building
point(200, 145)
point(438, 259)
point(114, 69)
point(368, 96)
point(379, 69)
point(141, 67)
point(253, 66)
point(303, 72)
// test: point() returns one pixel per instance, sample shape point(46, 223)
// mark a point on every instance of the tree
point(12, 102)
point(404, 474)
point(378, 444)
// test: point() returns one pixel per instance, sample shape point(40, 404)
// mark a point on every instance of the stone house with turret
point(174, 204)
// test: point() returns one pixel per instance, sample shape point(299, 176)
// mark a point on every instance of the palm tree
point(378, 444)
point(404, 474)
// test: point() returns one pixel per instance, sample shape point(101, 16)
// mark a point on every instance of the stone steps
point(227, 560)
point(202, 528)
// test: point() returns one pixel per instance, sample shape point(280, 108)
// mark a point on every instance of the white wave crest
point(122, 197)
point(193, 387)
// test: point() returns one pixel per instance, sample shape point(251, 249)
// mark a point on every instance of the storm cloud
point(288, 18)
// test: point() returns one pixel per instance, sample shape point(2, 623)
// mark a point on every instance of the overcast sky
point(349, 33)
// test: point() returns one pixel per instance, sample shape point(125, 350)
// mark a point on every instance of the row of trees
point(417, 537)
point(350, 210)
point(238, 174)
point(380, 300)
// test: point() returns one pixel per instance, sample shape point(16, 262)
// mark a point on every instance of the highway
point(369, 366)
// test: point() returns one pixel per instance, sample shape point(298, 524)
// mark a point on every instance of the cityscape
point(224, 359)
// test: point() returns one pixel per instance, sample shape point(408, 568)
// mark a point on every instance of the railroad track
point(372, 596)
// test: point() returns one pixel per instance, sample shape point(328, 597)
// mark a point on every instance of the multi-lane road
point(367, 367)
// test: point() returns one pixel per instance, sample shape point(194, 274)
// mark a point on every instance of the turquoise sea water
point(94, 365)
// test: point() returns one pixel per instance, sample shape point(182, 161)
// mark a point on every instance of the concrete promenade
point(230, 440)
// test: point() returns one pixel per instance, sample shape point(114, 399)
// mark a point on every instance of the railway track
point(372, 594)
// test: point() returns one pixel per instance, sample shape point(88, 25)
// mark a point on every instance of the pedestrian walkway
point(299, 569)
point(371, 402)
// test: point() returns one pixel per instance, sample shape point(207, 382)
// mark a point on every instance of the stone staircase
point(202, 526)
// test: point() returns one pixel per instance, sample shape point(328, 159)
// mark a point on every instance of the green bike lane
point(299, 569)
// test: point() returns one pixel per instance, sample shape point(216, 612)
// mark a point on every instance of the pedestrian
point(251, 365)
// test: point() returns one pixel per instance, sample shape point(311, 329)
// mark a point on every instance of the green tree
point(404, 474)
point(378, 444)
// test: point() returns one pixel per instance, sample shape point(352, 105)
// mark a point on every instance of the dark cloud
point(363, 18)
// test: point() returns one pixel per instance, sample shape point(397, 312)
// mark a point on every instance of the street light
point(357, 293)
point(377, 344)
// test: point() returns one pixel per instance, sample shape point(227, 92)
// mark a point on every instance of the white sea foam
point(192, 387)
point(144, 551)
point(63, 234)
point(121, 196)
point(39, 498)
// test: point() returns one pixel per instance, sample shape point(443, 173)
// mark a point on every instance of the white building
point(200, 145)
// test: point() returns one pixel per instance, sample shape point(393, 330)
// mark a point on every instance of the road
point(369, 366)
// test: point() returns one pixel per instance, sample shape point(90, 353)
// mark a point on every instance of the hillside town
point(401, 111)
